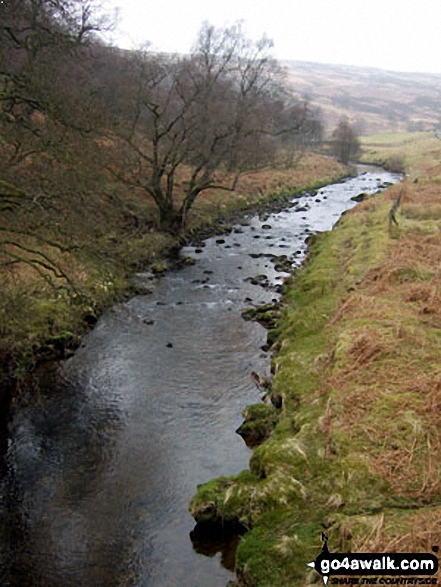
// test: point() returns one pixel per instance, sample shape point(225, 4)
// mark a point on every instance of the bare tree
point(345, 143)
point(306, 135)
point(39, 45)
point(219, 109)
point(30, 31)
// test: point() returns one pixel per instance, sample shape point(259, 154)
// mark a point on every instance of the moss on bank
point(259, 422)
point(355, 449)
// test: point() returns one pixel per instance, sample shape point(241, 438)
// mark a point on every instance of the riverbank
point(355, 448)
point(120, 434)
point(41, 320)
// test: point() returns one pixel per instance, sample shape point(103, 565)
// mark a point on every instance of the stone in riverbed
point(360, 198)
point(186, 262)
point(261, 280)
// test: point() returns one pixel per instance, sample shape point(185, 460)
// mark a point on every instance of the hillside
point(375, 100)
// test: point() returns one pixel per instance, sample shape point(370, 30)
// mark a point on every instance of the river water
point(103, 461)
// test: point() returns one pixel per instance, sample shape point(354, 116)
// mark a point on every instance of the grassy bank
point(94, 245)
point(355, 448)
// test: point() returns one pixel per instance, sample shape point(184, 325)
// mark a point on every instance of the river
point(104, 459)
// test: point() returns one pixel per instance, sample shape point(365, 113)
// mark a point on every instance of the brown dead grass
point(28, 274)
point(414, 531)
point(312, 167)
point(386, 377)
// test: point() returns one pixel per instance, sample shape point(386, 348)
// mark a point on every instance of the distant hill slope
point(374, 99)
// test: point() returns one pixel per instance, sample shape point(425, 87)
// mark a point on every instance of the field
point(418, 154)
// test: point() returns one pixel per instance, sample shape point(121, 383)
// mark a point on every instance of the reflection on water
point(102, 462)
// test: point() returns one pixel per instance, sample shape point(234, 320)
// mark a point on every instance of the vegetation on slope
point(418, 154)
point(106, 155)
point(355, 449)
point(98, 243)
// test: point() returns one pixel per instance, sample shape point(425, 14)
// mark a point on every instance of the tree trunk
point(170, 220)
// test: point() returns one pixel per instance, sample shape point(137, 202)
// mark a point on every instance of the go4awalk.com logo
point(413, 569)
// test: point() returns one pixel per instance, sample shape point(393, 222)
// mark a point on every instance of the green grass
point(296, 476)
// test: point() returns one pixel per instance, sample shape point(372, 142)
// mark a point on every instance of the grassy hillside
point(355, 449)
point(418, 154)
point(376, 100)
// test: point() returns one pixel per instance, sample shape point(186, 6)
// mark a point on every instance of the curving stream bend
point(102, 463)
